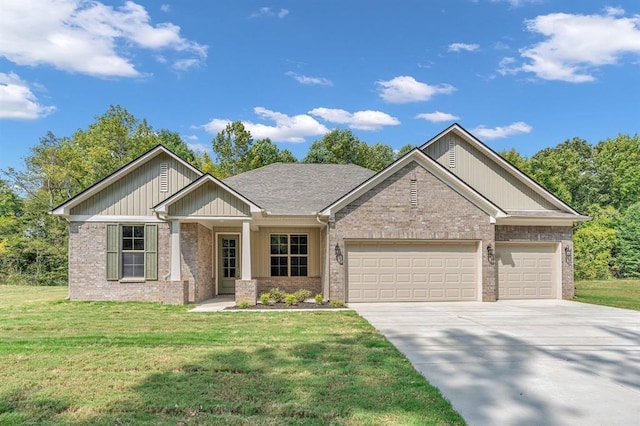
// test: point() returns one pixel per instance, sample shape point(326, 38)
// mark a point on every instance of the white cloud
point(304, 79)
point(191, 137)
point(437, 116)
point(361, 120)
point(575, 45)
point(185, 64)
point(457, 47)
point(165, 8)
point(198, 147)
point(286, 129)
point(404, 89)
point(18, 101)
point(516, 3)
point(267, 12)
point(519, 127)
point(87, 37)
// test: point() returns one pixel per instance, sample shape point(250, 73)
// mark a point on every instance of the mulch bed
point(303, 305)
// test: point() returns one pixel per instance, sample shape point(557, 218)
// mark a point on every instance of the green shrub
point(336, 304)
point(264, 298)
point(301, 295)
point(318, 299)
point(243, 305)
point(277, 295)
point(290, 300)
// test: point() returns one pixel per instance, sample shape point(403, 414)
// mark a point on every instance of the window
point(289, 255)
point(132, 251)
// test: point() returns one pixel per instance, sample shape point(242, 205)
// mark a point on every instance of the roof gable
point(432, 167)
point(65, 209)
point(207, 196)
point(490, 174)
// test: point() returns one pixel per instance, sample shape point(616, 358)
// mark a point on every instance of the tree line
point(601, 180)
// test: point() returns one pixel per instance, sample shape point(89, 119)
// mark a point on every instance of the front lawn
point(617, 293)
point(134, 363)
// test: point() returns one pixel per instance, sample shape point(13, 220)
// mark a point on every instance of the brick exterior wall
point(556, 234)
point(385, 212)
point(290, 284)
point(87, 269)
point(196, 247)
point(246, 291)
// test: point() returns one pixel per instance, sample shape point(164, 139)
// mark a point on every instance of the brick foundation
point(290, 284)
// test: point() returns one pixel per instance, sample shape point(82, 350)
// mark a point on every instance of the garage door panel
point(526, 271)
point(420, 271)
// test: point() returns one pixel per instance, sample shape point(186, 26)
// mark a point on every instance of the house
point(449, 221)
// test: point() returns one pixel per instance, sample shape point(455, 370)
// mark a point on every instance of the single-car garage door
point(383, 271)
point(526, 271)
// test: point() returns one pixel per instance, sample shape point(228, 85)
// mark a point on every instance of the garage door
point(380, 272)
point(526, 271)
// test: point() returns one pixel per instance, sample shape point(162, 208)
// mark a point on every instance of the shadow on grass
point(302, 384)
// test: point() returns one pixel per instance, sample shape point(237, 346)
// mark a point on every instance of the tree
point(405, 149)
point(336, 147)
point(514, 157)
point(593, 244)
point(265, 152)
point(231, 147)
point(568, 171)
point(376, 157)
point(617, 162)
point(628, 247)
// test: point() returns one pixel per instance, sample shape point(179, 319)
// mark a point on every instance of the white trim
point(163, 206)
point(200, 218)
point(558, 270)
point(246, 251)
point(476, 143)
point(433, 167)
point(65, 209)
point(113, 218)
point(539, 221)
point(175, 263)
point(479, 269)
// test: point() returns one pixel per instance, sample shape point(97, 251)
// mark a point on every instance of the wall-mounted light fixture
point(339, 256)
point(490, 254)
point(568, 255)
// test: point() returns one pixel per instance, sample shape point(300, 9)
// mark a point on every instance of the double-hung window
point(132, 251)
point(289, 255)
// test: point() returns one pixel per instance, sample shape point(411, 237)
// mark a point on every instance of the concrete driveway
point(522, 362)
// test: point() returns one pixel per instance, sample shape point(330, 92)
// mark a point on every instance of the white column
point(246, 250)
point(175, 251)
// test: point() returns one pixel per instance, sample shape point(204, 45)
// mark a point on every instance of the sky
point(523, 74)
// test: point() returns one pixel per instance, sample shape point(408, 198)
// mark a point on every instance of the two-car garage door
point(383, 271)
point(420, 271)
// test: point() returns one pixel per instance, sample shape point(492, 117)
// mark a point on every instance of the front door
point(228, 265)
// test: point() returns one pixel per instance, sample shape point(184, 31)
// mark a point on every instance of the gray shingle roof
point(298, 188)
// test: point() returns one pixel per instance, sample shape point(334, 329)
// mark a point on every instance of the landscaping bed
point(282, 305)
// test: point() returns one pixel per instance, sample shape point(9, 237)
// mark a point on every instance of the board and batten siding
point(484, 175)
point(260, 249)
point(139, 190)
point(209, 199)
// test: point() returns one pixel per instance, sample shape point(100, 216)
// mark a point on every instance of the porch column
point(246, 251)
point(175, 251)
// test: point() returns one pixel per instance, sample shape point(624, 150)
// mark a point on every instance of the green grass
point(68, 362)
point(617, 293)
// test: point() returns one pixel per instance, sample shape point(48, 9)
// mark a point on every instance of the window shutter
point(151, 252)
point(113, 252)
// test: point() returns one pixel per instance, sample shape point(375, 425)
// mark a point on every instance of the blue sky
point(526, 74)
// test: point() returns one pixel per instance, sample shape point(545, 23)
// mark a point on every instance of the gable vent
point(414, 193)
point(452, 153)
point(164, 177)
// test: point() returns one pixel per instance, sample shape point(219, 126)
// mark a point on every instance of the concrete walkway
point(215, 305)
point(522, 362)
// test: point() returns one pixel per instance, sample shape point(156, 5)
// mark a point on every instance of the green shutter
point(113, 252)
point(151, 252)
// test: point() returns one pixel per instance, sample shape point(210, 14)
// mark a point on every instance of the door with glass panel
point(228, 263)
